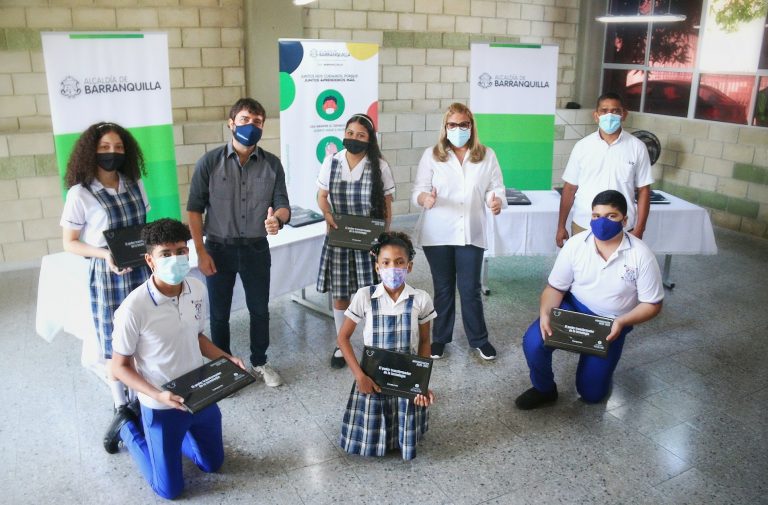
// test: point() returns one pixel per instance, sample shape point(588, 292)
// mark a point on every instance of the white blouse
point(463, 190)
point(354, 175)
point(82, 211)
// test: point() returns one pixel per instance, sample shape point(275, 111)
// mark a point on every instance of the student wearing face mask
point(455, 181)
point(240, 188)
point(602, 271)
point(359, 182)
point(610, 158)
point(105, 192)
point(397, 318)
point(159, 337)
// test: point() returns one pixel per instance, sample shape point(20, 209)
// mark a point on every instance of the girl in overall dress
point(397, 318)
point(105, 192)
point(354, 181)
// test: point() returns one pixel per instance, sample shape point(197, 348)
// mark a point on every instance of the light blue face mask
point(172, 269)
point(609, 123)
point(458, 137)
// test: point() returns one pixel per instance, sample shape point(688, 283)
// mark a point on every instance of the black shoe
point(112, 437)
point(135, 407)
point(533, 398)
point(437, 350)
point(487, 351)
point(336, 361)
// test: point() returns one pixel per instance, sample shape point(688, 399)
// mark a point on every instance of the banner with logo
point(322, 84)
point(513, 89)
point(120, 78)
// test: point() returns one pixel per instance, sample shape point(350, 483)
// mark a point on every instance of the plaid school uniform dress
point(374, 424)
point(343, 270)
point(108, 290)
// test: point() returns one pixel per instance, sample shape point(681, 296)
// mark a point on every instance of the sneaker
point(487, 351)
point(123, 414)
point(337, 359)
point(269, 374)
point(437, 350)
point(533, 399)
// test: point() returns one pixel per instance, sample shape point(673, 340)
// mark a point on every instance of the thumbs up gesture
point(428, 199)
point(494, 202)
point(272, 224)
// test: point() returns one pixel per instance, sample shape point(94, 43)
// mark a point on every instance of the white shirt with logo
point(360, 308)
point(596, 166)
point(161, 332)
point(610, 287)
point(458, 217)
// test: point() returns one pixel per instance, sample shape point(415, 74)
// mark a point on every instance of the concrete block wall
point(425, 56)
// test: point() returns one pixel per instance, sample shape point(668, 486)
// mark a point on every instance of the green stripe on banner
point(106, 35)
point(524, 46)
point(160, 159)
point(524, 145)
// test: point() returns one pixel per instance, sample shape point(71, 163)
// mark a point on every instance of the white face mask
point(458, 137)
point(172, 269)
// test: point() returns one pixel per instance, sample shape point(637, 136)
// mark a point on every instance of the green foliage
point(730, 13)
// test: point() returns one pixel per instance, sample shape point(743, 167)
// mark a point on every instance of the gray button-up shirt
point(235, 198)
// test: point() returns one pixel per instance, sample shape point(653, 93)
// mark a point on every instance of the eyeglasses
point(466, 125)
point(618, 112)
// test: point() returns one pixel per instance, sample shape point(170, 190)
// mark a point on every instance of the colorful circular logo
point(327, 146)
point(330, 105)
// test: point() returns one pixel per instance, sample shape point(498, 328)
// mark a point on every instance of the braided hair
point(378, 205)
point(82, 166)
point(396, 239)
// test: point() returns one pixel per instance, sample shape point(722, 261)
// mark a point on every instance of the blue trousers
point(593, 375)
point(451, 266)
point(253, 263)
point(167, 435)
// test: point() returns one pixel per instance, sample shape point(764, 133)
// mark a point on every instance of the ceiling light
point(655, 18)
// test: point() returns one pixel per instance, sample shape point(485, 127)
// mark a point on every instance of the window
point(688, 68)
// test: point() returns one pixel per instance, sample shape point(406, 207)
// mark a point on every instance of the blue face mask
point(609, 123)
point(393, 278)
point(172, 269)
point(604, 228)
point(247, 134)
point(458, 137)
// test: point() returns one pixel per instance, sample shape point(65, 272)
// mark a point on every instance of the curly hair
point(378, 204)
point(82, 167)
point(164, 231)
point(396, 239)
point(476, 149)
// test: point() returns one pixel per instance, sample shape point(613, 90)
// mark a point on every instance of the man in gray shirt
point(241, 189)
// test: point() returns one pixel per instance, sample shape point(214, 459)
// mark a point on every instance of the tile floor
point(685, 424)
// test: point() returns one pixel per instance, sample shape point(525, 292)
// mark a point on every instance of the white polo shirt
point(360, 308)
point(161, 333)
point(82, 211)
point(354, 175)
point(458, 217)
point(609, 288)
point(595, 166)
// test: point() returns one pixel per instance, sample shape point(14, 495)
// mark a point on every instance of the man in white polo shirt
point(610, 158)
point(158, 336)
point(603, 271)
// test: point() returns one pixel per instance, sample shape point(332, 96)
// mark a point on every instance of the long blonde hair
point(476, 149)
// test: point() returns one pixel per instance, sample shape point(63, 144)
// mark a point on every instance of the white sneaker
point(269, 374)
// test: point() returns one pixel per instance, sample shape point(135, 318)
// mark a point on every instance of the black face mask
point(110, 161)
point(355, 146)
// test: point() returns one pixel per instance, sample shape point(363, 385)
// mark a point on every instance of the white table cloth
point(63, 300)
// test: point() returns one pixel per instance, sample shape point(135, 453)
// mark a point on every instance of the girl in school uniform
point(359, 182)
point(105, 192)
point(397, 318)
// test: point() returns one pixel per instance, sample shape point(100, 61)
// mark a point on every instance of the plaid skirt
point(344, 271)
point(374, 424)
point(108, 290)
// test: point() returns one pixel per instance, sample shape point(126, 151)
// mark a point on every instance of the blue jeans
point(167, 435)
point(593, 375)
point(252, 262)
point(462, 265)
